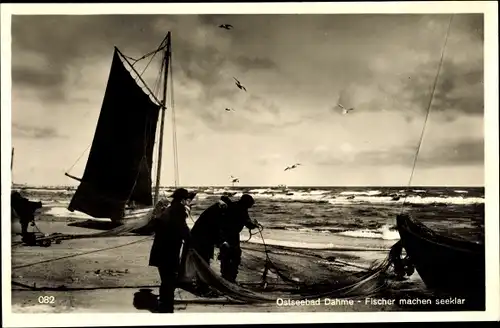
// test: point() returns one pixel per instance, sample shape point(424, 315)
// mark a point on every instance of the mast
point(12, 166)
point(162, 124)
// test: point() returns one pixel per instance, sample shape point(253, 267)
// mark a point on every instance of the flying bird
point(239, 85)
point(344, 110)
point(229, 110)
point(234, 180)
point(226, 26)
point(292, 167)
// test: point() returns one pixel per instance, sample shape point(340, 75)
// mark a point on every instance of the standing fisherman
point(235, 218)
point(171, 230)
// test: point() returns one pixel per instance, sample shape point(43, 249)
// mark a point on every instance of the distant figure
point(226, 26)
point(170, 230)
point(25, 210)
point(235, 218)
point(239, 85)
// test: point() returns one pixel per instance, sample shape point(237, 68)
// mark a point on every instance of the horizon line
point(22, 185)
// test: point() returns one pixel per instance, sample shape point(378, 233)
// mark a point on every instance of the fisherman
point(170, 228)
point(206, 232)
point(235, 218)
point(25, 210)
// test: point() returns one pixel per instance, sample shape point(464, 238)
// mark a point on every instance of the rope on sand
point(79, 254)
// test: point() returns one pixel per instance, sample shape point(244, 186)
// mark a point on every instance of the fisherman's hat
point(182, 193)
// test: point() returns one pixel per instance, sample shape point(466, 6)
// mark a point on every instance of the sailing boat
point(117, 180)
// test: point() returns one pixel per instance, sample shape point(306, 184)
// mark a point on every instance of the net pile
point(288, 273)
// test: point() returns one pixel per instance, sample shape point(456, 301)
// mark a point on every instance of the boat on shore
point(445, 264)
point(117, 183)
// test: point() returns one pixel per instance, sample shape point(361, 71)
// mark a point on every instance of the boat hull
point(444, 264)
point(132, 214)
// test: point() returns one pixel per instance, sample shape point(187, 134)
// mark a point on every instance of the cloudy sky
point(295, 68)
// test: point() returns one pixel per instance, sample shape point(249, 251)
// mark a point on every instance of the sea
point(314, 216)
point(358, 223)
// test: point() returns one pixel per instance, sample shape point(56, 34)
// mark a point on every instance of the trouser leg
point(168, 276)
point(230, 261)
point(24, 231)
point(24, 228)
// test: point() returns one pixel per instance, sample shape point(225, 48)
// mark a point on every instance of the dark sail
point(120, 160)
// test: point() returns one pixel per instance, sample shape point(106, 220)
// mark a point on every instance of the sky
point(296, 68)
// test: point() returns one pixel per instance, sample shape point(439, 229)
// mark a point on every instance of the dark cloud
point(34, 132)
point(37, 78)
point(459, 90)
point(456, 153)
point(67, 41)
point(247, 63)
point(473, 24)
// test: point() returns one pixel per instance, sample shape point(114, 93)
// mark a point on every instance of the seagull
point(234, 180)
point(345, 110)
point(226, 26)
point(239, 85)
point(292, 167)
point(229, 110)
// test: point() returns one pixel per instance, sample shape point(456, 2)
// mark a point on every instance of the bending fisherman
point(206, 232)
point(25, 210)
point(170, 228)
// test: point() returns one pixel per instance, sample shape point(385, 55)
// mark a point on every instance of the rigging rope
point(154, 52)
point(174, 126)
point(78, 159)
point(428, 109)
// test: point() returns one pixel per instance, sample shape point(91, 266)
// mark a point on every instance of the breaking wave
point(385, 232)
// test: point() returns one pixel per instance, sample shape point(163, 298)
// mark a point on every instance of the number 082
point(46, 299)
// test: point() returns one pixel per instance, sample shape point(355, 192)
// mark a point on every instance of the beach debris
point(344, 110)
point(292, 166)
point(110, 272)
point(239, 85)
point(226, 26)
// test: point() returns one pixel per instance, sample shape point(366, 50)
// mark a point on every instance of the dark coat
point(23, 207)
point(206, 232)
point(170, 230)
point(234, 220)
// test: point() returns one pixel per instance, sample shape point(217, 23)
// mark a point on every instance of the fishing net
point(285, 273)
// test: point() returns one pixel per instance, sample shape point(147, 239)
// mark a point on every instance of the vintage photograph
point(221, 163)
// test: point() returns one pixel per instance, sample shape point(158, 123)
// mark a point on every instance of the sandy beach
point(102, 275)
point(116, 279)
